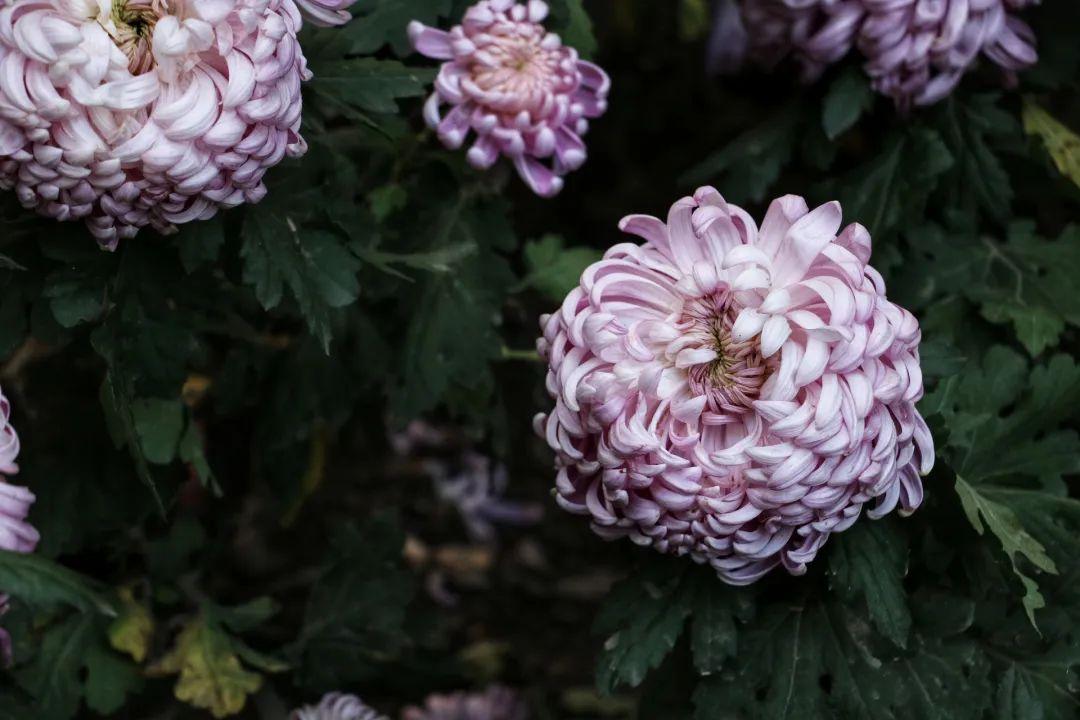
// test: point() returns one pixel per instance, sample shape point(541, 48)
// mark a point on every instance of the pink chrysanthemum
point(337, 706)
point(916, 50)
point(16, 534)
point(735, 394)
point(128, 113)
point(495, 703)
point(522, 92)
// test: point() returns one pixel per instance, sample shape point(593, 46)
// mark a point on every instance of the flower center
point(131, 26)
point(732, 380)
point(516, 65)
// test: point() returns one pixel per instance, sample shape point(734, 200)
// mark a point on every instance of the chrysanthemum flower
point(128, 113)
point(735, 393)
point(916, 51)
point(16, 534)
point(495, 703)
point(514, 85)
point(337, 706)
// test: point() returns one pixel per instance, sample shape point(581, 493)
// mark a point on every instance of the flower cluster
point(514, 85)
point(131, 113)
point(16, 534)
point(495, 703)
point(337, 706)
point(916, 51)
point(735, 393)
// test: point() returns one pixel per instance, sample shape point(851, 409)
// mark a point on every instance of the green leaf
point(1023, 280)
point(896, 184)
point(713, 633)
point(200, 243)
point(109, 680)
point(969, 131)
point(54, 676)
point(814, 660)
point(869, 561)
point(192, 452)
point(38, 581)
point(382, 22)
point(452, 335)
point(316, 266)
point(554, 270)
point(849, 96)
point(749, 165)
point(73, 661)
point(1002, 425)
point(641, 620)
point(1016, 542)
point(368, 84)
point(356, 611)
point(572, 22)
point(158, 425)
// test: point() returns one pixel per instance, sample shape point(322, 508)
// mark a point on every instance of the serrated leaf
point(369, 84)
point(642, 619)
point(713, 632)
point(356, 609)
point(1062, 144)
point(869, 561)
point(968, 129)
point(73, 662)
point(1016, 541)
point(1003, 427)
point(849, 96)
point(553, 269)
point(39, 581)
point(896, 184)
point(209, 673)
point(316, 266)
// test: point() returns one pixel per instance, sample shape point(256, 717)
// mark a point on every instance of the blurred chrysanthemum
point(16, 534)
point(916, 50)
point(522, 92)
point(128, 113)
point(337, 706)
point(495, 703)
point(735, 394)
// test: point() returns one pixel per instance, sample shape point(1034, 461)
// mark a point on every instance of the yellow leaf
point(210, 674)
point(131, 632)
point(1061, 142)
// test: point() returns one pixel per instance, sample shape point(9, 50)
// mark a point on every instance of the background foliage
point(208, 418)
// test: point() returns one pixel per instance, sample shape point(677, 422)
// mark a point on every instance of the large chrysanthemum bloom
point(16, 534)
point(128, 113)
point(735, 393)
point(337, 706)
point(916, 50)
point(514, 85)
point(495, 703)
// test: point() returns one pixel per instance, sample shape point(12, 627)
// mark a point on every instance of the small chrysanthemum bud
point(144, 112)
point(916, 51)
point(516, 87)
point(735, 393)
